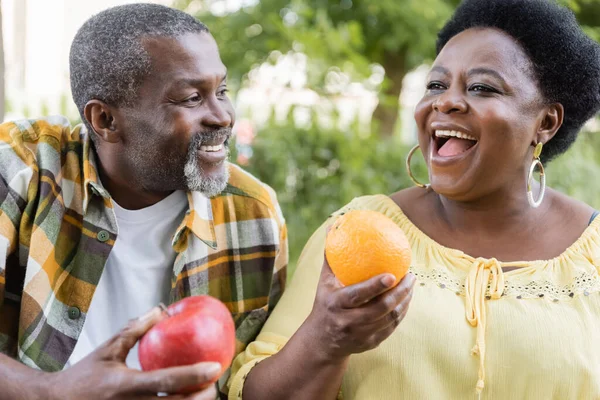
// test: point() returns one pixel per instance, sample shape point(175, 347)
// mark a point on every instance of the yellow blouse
point(530, 333)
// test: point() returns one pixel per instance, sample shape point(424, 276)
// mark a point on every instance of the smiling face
point(480, 115)
point(177, 134)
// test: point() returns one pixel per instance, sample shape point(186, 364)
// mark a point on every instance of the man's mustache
point(205, 137)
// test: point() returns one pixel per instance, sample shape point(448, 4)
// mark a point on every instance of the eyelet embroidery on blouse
point(439, 278)
point(584, 285)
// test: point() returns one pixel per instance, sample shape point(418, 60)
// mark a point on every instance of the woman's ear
point(550, 122)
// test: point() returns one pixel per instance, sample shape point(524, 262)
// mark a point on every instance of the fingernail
point(149, 315)
point(388, 280)
point(413, 279)
point(164, 309)
point(212, 369)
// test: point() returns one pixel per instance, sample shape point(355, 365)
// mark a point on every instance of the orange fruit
point(363, 243)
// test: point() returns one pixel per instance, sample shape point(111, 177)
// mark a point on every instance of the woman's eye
point(222, 92)
point(483, 88)
point(435, 86)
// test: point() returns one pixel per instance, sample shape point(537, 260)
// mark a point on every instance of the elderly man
point(138, 206)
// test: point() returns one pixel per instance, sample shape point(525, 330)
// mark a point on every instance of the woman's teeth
point(460, 135)
point(212, 148)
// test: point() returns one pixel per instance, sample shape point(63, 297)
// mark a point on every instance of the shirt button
point(74, 313)
point(102, 236)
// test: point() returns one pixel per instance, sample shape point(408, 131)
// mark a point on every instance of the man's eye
point(222, 92)
point(192, 99)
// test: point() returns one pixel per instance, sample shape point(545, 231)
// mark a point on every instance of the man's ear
point(550, 123)
point(104, 120)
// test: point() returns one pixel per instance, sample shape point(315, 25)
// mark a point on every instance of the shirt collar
point(198, 220)
point(91, 182)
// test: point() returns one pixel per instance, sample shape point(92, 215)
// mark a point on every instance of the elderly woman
point(507, 296)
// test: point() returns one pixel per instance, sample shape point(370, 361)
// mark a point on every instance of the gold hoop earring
point(535, 203)
point(410, 174)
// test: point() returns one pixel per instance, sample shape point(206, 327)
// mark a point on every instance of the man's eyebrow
point(195, 82)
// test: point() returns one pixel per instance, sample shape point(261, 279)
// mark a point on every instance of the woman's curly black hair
point(566, 62)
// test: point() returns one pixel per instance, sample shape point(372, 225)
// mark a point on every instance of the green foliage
point(349, 34)
point(577, 172)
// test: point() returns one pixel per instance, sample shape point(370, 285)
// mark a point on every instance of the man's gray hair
point(108, 61)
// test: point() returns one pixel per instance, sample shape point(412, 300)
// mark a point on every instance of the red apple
point(198, 329)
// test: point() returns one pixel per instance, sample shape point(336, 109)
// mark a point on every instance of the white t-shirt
point(137, 274)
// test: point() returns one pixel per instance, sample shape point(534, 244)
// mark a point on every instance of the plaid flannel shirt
point(57, 229)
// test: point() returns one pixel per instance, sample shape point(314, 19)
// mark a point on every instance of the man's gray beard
point(194, 175)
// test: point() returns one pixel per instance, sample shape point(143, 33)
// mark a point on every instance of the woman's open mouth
point(450, 143)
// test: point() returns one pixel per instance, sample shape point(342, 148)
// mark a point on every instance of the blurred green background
point(315, 167)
